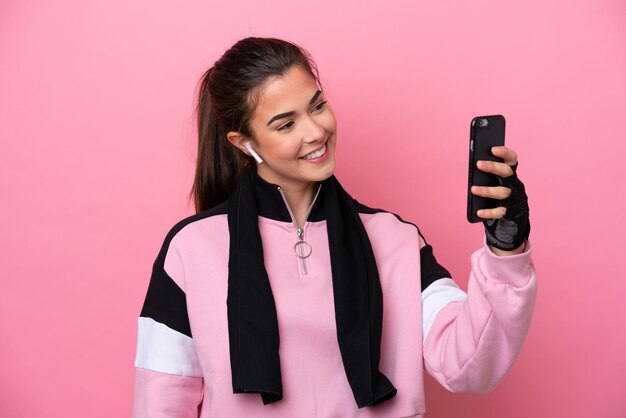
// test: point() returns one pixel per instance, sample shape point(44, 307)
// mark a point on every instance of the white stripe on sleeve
point(435, 297)
point(161, 349)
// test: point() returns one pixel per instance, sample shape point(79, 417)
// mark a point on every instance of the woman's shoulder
point(186, 228)
point(384, 222)
point(388, 226)
point(394, 217)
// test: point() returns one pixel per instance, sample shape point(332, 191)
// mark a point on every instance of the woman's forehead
point(288, 92)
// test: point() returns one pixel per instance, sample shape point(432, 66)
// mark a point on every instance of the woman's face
point(294, 131)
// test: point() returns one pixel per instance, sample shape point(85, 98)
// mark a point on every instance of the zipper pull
point(302, 249)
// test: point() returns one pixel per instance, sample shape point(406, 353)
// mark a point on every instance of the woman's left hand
point(507, 226)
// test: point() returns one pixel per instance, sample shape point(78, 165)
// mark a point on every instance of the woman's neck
point(300, 199)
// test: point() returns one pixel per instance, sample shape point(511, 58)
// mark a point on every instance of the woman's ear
point(243, 143)
point(238, 140)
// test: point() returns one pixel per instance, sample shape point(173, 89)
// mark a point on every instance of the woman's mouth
point(315, 154)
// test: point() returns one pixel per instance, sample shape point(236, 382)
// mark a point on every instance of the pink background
point(97, 147)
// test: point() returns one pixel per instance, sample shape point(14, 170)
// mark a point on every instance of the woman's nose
point(314, 131)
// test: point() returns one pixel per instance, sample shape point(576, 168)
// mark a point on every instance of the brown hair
point(226, 102)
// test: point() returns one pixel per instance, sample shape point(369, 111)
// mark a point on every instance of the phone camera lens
point(483, 122)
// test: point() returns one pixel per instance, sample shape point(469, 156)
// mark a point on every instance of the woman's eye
point(285, 126)
point(319, 106)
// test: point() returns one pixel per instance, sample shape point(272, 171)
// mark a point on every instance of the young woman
point(285, 297)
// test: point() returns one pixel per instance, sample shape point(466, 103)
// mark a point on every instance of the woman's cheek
point(290, 148)
point(331, 121)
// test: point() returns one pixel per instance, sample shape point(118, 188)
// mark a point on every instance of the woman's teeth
point(315, 154)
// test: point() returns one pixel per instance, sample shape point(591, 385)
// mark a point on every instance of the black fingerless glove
point(512, 230)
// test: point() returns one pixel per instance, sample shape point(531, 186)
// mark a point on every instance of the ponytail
point(219, 164)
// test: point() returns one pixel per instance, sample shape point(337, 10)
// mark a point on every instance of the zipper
point(302, 249)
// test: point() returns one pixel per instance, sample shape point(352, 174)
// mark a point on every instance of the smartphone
point(485, 132)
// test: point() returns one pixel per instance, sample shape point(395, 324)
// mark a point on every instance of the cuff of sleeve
point(514, 270)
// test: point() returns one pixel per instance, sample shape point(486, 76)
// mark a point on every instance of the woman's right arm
point(168, 378)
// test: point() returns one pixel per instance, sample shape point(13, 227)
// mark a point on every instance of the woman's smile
point(316, 156)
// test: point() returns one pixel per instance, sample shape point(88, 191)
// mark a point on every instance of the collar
point(271, 203)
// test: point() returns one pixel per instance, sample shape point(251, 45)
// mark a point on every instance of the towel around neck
point(252, 321)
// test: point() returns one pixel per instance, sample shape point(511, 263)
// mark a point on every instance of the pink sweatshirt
point(467, 342)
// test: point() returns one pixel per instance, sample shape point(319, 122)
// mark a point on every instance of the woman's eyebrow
point(287, 114)
point(315, 96)
point(280, 116)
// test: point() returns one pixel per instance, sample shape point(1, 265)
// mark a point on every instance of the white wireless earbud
point(253, 152)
